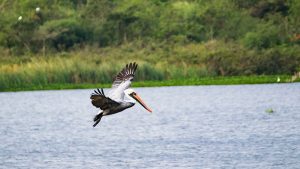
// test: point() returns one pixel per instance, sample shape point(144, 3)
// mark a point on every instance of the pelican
point(116, 103)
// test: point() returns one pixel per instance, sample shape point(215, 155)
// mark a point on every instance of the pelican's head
point(135, 96)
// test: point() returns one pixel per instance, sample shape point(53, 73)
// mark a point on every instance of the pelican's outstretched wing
point(126, 74)
point(123, 81)
point(99, 100)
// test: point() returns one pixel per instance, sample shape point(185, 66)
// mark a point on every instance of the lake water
point(190, 127)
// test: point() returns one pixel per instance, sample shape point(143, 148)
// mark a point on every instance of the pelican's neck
point(130, 99)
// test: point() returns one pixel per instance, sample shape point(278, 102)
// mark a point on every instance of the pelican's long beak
point(139, 99)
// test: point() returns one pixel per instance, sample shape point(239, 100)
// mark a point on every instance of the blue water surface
point(190, 127)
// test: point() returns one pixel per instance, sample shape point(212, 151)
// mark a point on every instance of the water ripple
point(191, 127)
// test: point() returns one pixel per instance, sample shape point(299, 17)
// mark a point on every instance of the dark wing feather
point(126, 73)
point(99, 100)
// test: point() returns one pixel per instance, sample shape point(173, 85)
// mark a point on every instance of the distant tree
point(129, 21)
point(294, 19)
point(265, 36)
point(264, 7)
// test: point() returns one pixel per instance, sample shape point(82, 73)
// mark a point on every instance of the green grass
point(190, 64)
point(220, 80)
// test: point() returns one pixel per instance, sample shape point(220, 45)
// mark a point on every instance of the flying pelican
point(115, 103)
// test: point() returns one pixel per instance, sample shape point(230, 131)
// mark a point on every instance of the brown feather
point(99, 100)
point(128, 72)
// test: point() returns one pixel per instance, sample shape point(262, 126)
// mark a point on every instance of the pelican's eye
point(132, 94)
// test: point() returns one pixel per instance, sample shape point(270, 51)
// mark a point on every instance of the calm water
point(190, 127)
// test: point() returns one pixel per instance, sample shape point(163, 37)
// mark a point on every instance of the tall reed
point(42, 72)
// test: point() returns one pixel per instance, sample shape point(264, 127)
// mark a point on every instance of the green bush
point(64, 33)
point(266, 36)
point(280, 60)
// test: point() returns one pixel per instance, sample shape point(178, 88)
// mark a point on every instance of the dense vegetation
point(45, 42)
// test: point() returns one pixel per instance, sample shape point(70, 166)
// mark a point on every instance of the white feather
point(117, 93)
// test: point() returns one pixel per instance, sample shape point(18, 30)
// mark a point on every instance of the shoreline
point(217, 80)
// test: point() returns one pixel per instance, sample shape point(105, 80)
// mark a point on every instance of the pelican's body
point(120, 107)
point(116, 102)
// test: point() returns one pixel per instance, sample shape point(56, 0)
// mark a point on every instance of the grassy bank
point(219, 80)
point(159, 65)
